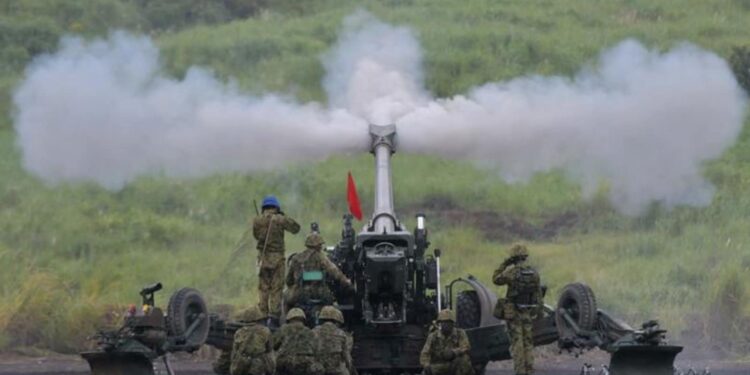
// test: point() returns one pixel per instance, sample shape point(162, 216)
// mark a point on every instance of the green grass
point(71, 254)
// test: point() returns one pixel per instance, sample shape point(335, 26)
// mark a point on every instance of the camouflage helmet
point(331, 313)
point(519, 250)
point(446, 315)
point(295, 313)
point(339, 316)
point(252, 314)
point(314, 240)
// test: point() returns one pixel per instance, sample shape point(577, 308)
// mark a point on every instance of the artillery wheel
point(468, 309)
point(185, 306)
point(579, 301)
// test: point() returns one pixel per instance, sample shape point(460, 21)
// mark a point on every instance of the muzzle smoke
point(104, 112)
point(641, 121)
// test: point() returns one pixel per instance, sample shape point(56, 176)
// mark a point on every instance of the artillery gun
point(148, 334)
point(397, 297)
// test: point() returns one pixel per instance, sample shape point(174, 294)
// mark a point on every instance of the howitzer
point(398, 295)
point(148, 334)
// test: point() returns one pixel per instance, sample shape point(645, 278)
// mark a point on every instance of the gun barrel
point(383, 146)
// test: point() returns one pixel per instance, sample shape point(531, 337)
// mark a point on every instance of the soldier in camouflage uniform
point(307, 274)
point(252, 353)
point(446, 351)
point(268, 230)
point(335, 350)
point(296, 347)
point(519, 309)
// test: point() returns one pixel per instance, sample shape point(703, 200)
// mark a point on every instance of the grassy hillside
point(70, 254)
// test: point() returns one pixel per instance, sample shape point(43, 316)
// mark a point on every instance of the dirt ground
point(564, 365)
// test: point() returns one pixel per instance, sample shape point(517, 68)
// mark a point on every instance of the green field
point(73, 255)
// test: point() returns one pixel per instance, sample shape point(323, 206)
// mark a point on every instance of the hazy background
point(135, 135)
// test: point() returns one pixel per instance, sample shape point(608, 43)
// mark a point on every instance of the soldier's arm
point(424, 356)
point(503, 275)
point(347, 354)
point(278, 338)
point(257, 229)
point(290, 274)
point(237, 343)
point(269, 341)
point(290, 225)
point(334, 271)
point(463, 343)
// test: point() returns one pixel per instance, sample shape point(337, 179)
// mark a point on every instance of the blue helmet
point(271, 201)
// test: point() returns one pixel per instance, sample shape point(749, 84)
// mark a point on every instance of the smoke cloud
point(641, 121)
point(375, 70)
point(104, 112)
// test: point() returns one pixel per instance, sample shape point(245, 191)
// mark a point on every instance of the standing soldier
point(307, 274)
point(522, 301)
point(268, 230)
point(335, 351)
point(252, 353)
point(296, 347)
point(446, 351)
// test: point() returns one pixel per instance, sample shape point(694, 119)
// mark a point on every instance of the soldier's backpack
point(525, 290)
point(311, 270)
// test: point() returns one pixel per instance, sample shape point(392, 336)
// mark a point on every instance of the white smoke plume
point(642, 121)
point(375, 70)
point(104, 112)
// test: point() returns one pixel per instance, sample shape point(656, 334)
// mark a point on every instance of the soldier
point(335, 350)
point(308, 271)
point(522, 301)
point(446, 351)
point(296, 347)
point(252, 353)
point(268, 230)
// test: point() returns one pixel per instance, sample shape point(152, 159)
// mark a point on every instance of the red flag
point(351, 196)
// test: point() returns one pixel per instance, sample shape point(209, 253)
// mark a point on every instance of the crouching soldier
point(296, 347)
point(251, 352)
point(335, 350)
point(446, 351)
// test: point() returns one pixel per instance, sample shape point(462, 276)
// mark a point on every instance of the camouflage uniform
point(251, 352)
point(518, 317)
point(296, 347)
point(335, 345)
point(268, 230)
point(223, 363)
point(312, 259)
point(447, 354)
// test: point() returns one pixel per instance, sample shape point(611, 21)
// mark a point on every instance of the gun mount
point(148, 334)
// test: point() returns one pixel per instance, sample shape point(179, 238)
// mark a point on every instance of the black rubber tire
point(468, 309)
point(184, 307)
point(580, 301)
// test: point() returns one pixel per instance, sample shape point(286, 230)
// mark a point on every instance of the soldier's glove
point(448, 355)
point(509, 261)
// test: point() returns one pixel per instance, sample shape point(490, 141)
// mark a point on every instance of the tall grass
point(70, 255)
